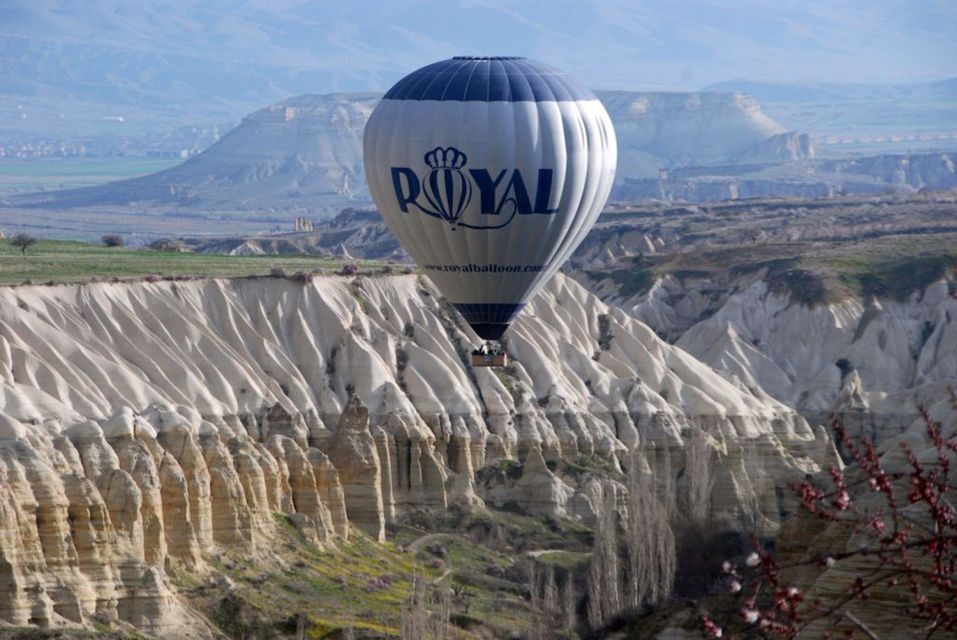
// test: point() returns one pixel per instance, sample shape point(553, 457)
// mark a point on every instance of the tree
point(633, 559)
point(168, 245)
point(904, 527)
point(113, 240)
point(22, 242)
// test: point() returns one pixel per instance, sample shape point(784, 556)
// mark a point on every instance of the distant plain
point(57, 261)
point(45, 174)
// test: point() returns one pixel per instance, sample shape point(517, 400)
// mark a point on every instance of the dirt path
point(416, 545)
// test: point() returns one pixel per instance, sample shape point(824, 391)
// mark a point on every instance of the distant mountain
point(862, 118)
point(301, 154)
point(834, 93)
point(64, 64)
point(305, 154)
point(666, 130)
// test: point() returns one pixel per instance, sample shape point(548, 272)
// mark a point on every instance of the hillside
point(150, 433)
point(844, 305)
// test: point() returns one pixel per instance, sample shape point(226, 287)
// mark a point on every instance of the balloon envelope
point(490, 172)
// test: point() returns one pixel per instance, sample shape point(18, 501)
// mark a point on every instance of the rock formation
point(145, 427)
point(872, 364)
point(356, 458)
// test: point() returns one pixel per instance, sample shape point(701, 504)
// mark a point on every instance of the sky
point(236, 53)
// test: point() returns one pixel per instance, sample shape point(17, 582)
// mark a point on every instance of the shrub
point(905, 546)
point(113, 240)
point(302, 277)
point(331, 362)
point(845, 366)
point(104, 617)
point(152, 278)
point(168, 245)
point(22, 242)
point(277, 271)
point(350, 269)
point(605, 335)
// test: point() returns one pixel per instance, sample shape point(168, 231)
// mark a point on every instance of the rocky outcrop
point(96, 514)
point(907, 171)
point(355, 456)
point(797, 332)
point(144, 428)
point(872, 364)
point(784, 165)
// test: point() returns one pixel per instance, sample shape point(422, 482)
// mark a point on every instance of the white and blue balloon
point(490, 172)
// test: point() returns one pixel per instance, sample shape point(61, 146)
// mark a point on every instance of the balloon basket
point(489, 355)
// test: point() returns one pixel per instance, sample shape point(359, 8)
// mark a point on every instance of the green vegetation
point(482, 557)
point(568, 560)
point(66, 261)
point(358, 584)
point(593, 464)
point(499, 530)
point(892, 266)
point(632, 281)
point(99, 632)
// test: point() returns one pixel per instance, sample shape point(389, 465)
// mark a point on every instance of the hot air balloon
point(490, 171)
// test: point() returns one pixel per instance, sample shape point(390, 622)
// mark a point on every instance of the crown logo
point(445, 158)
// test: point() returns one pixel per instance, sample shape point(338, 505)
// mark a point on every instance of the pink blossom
point(843, 500)
point(711, 629)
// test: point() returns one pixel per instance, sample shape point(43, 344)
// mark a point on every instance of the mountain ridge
point(305, 152)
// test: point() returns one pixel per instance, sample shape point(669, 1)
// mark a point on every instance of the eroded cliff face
point(145, 427)
point(871, 363)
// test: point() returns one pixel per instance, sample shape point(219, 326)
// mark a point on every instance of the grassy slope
point(818, 250)
point(364, 585)
point(64, 261)
point(814, 273)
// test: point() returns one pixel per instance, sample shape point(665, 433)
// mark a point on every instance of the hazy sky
point(256, 51)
